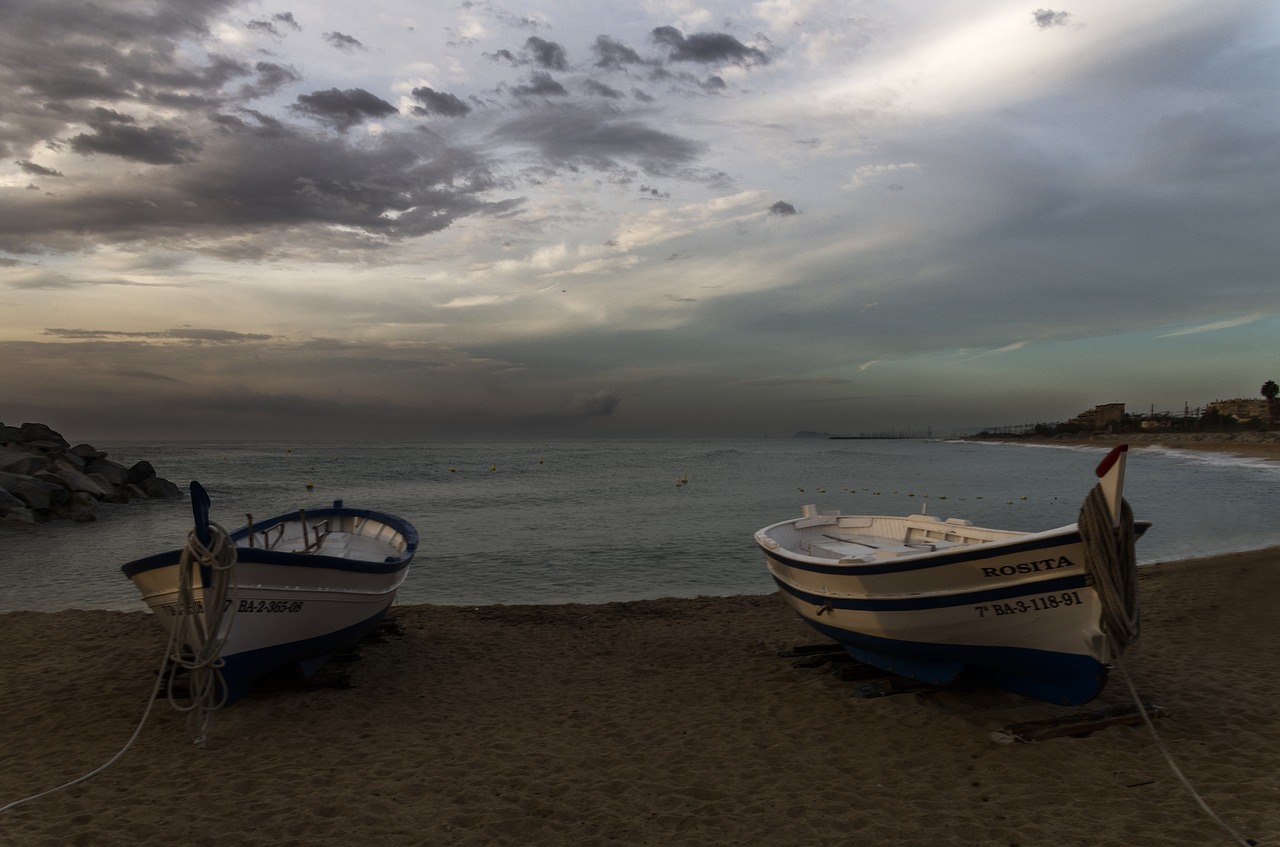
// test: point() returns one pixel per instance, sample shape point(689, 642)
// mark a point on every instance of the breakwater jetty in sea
point(44, 478)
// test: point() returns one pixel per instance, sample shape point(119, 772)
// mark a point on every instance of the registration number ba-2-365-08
point(270, 607)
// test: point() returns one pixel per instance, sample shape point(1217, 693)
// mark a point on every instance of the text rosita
point(1028, 567)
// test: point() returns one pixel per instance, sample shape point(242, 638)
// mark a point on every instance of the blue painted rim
point(307, 560)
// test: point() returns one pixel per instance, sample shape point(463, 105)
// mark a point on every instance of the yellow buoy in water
point(493, 467)
point(310, 485)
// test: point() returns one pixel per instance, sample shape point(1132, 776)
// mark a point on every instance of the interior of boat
point(865, 538)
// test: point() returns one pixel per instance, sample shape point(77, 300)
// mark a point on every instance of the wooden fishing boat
point(1042, 614)
point(282, 593)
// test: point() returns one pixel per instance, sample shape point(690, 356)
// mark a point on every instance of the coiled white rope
point(196, 640)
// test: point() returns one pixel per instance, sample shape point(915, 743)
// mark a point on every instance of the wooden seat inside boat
point(848, 546)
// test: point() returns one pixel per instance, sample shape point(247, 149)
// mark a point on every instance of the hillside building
point(1100, 417)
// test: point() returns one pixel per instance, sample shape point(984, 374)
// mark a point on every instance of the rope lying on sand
point(1111, 564)
point(192, 646)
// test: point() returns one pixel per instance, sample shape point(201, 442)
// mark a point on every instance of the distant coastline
point(1257, 445)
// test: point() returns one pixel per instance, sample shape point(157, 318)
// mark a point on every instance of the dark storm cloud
point(216, 336)
point(575, 136)
point(49, 280)
point(1045, 18)
point(614, 54)
point(546, 54)
point(541, 84)
point(248, 183)
point(263, 125)
point(263, 26)
point(269, 26)
point(707, 47)
point(344, 109)
point(438, 103)
point(343, 42)
point(156, 145)
point(602, 90)
point(57, 56)
point(271, 77)
point(37, 170)
point(594, 404)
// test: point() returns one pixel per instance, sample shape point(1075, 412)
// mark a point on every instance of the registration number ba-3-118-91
point(1043, 603)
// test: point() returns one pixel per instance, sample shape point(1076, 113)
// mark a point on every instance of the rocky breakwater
point(44, 478)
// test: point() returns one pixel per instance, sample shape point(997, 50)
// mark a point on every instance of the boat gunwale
point(925, 559)
point(262, 556)
point(927, 600)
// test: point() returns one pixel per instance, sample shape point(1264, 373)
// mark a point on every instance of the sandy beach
point(665, 722)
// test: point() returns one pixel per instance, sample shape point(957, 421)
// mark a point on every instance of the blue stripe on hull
point(1064, 678)
point(304, 657)
point(918, 602)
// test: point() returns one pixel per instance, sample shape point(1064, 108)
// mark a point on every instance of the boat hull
point(1018, 612)
point(287, 610)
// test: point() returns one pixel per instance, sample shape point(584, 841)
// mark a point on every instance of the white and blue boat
point(1043, 614)
point(284, 593)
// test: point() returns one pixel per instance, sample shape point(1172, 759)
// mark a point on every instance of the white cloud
point(657, 226)
point(1215, 326)
point(879, 173)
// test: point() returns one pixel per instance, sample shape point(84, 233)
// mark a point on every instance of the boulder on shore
point(44, 478)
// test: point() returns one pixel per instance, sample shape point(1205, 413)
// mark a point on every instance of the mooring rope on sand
point(202, 661)
point(1111, 564)
point(151, 701)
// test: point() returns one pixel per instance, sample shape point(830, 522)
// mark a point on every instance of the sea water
point(560, 522)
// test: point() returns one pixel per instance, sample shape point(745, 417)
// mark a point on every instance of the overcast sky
point(400, 219)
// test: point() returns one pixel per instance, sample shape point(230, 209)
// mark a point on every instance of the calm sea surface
point(565, 522)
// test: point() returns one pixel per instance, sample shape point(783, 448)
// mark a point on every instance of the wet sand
point(665, 722)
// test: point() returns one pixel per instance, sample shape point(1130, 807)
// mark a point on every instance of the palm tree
point(1270, 390)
